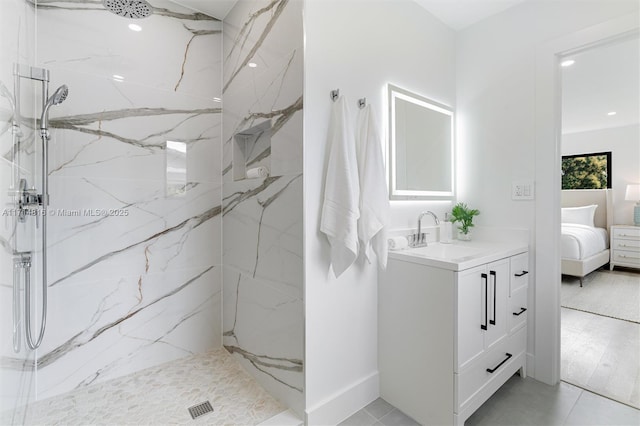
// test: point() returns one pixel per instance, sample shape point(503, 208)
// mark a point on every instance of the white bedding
point(581, 241)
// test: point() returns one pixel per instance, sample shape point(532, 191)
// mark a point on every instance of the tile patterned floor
point(600, 350)
point(602, 355)
point(520, 402)
point(161, 395)
point(378, 413)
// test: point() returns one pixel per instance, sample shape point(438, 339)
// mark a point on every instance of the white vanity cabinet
point(448, 339)
point(482, 294)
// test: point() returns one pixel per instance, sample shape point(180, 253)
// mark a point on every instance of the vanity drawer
point(519, 265)
point(624, 256)
point(472, 379)
point(630, 245)
point(518, 308)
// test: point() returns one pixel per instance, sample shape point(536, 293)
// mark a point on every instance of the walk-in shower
point(28, 202)
point(154, 253)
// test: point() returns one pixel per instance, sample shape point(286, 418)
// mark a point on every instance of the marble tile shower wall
point(135, 187)
point(17, 45)
point(262, 218)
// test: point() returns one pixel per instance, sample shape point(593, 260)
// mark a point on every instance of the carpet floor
point(615, 294)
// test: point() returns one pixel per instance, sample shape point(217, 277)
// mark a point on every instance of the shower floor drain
point(200, 410)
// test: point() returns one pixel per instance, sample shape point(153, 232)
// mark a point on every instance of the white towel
point(340, 210)
point(374, 198)
point(257, 172)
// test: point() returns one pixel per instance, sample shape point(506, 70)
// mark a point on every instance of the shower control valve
point(28, 198)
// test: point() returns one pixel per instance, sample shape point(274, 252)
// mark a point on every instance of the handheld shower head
point(56, 99)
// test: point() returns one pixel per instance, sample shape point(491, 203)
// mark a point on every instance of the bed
point(586, 218)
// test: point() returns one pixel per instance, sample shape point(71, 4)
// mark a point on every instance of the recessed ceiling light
point(135, 27)
point(117, 77)
point(252, 64)
point(217, 100)
point(567, 63)
point(611, 113)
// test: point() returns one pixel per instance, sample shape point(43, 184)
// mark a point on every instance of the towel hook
point(362, 102)
point(334, 94)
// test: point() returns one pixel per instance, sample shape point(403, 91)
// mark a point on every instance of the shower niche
point(252, 152)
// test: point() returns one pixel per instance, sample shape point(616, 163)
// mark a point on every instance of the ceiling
point(459, 14)
point(456, 14)
point(603, 79)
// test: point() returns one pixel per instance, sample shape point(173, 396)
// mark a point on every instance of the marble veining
point(143, 286)
point(88, 335)
point(246, 35)
point(259, 361)
point(195, 33)
point(262, 218)
point(74, 123)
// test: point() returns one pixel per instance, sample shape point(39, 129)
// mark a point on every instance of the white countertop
point(459, 255)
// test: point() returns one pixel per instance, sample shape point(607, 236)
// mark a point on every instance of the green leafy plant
point(464, 215)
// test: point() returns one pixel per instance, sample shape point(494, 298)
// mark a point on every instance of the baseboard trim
point(345, 403)
point(286, 418)
point(531, 366)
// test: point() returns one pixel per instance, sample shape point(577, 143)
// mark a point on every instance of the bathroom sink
point(459, 255)
point(451, 252)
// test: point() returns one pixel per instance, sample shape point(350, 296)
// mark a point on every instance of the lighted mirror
point(421, 147)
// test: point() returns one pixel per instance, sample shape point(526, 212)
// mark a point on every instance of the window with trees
point(586, 171)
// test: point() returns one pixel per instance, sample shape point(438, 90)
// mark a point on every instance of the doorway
point(600, 306)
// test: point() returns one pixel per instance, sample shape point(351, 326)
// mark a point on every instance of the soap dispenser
point(446, 230)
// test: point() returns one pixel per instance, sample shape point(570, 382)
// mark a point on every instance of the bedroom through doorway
point(600, 246)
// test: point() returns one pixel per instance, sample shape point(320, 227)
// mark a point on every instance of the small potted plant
point(464, 215)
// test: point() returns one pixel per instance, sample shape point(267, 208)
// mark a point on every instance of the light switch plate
point(522, 190)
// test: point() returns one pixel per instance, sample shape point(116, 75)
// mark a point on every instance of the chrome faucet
point(419, 238)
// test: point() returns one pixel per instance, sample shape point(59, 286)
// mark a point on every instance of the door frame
point(548, 115)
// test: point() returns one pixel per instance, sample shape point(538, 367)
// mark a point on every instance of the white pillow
point(580, 215)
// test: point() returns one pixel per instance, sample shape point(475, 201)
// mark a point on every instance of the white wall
point(624, 144)
point(498, 102)
point(357, 47)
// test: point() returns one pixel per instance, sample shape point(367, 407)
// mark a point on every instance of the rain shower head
point(128, 8)
point(57, 98)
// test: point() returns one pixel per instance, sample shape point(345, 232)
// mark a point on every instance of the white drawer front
point(518, 308)
point(626, 233)
point(622, 256)
point(474, 378)
point(630, 245)
point(519, 271)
